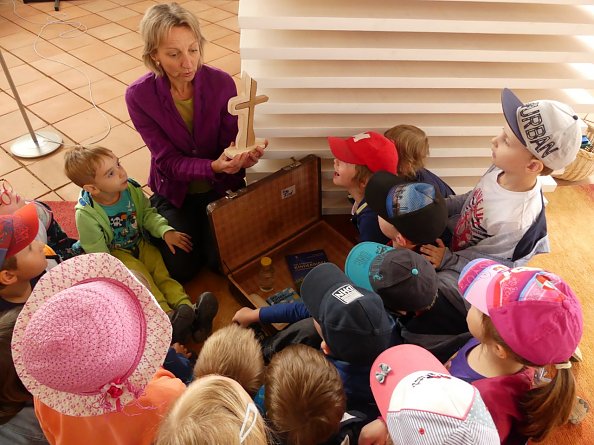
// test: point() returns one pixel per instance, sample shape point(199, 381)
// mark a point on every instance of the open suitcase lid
point(252, 221)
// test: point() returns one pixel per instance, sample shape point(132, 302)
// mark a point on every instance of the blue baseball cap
point(403, 279)
point(354, 323)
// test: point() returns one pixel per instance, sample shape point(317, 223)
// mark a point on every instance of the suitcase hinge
point(295, 163)
point(230, 194)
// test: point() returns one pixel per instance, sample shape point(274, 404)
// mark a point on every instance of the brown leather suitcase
point(276, 216)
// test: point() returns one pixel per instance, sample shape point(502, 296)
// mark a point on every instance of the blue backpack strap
point(536, 232)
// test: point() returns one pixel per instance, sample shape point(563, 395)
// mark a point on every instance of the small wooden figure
point(243, 106)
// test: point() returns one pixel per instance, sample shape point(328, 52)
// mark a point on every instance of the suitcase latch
point(230, 194)
point(295, 163)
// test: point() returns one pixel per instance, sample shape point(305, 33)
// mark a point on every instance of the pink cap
point(90, 337)
point(370, 149)
point(422, 403)
point(534, 311)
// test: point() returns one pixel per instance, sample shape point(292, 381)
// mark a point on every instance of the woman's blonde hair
point(235, 353)
point(212, 413)
point(544, 407)
point(304, 396)
point(156, 24)
point(412, 146)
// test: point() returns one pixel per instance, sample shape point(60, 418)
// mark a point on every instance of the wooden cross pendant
point(243, 106)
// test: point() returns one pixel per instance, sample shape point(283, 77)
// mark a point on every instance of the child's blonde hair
point(304, 396)
point(544, 407)
point(235, 353)
point(212, 412)
point(13, 395)
point(412, 146)
point(81, 163)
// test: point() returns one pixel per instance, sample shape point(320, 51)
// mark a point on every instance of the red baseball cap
point(17, 231)
point(371, 149)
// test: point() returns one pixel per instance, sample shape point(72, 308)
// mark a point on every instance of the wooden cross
point(243, 106)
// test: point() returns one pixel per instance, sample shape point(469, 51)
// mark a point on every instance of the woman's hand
point(229, 165)
point(255, 155)
point(173, 239)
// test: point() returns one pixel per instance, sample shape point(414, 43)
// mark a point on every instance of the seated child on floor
point(213, 410)
point(18, 424)
point(354, 327)
point(303, 396)
point(521, 318)
point(89, 344)
point(235, 353)
point(421, 403)
point(413, 149)
point(407, 284)
point(113, 215)
point(355, 160)
point(49, 233)
point(22, 257)
point(503, 217)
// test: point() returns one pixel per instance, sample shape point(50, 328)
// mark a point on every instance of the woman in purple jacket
point(180, 110)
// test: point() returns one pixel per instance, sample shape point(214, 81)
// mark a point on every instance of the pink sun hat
point(90, 337)
point(534, 311)
point(422, 404)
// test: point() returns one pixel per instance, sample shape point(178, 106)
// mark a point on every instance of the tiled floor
point(56, 95)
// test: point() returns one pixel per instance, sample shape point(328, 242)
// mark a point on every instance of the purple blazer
point(178, 157)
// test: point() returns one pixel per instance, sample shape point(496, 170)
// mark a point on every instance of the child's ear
point(535, 166)
point(500, 351)
point(402, 241)
point(325, 349)
point(8, 277)
point(90, 188)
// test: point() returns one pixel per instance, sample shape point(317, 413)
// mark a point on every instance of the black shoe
point(181, 321)
point(205, 312)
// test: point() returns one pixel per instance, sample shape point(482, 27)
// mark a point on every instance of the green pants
point(168, 292)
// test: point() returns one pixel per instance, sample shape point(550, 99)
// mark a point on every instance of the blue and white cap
point(422, 404)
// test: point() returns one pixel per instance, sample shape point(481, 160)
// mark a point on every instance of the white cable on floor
point(78, 28)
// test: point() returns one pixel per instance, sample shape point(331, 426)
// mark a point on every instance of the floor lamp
point(32, 145)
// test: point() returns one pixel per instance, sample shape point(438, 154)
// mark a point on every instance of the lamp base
point(24, 147)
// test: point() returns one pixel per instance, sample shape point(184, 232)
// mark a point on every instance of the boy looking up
point(22, 258)
point(356, 159)
point(114, 216)
point(503, 216)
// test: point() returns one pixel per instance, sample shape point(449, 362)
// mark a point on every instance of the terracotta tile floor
point(57, 96)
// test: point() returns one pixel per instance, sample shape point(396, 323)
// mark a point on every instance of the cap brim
point(75, 271)
point(376, 191)
point(341, 151)
point(403, 360)
point(359, 260)
point(510, 104)
point(475, 282)
point(317, 283)
point(28, 215)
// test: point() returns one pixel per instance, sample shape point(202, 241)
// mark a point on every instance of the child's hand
point(181, 349)
point(246, 316)
point(174, 238)
point(434, 254)
point(374, 433)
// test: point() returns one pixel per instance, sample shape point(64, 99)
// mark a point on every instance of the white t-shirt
point(494, 219)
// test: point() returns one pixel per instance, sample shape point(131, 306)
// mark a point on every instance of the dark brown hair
point(544, 407)
point(304, 398)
